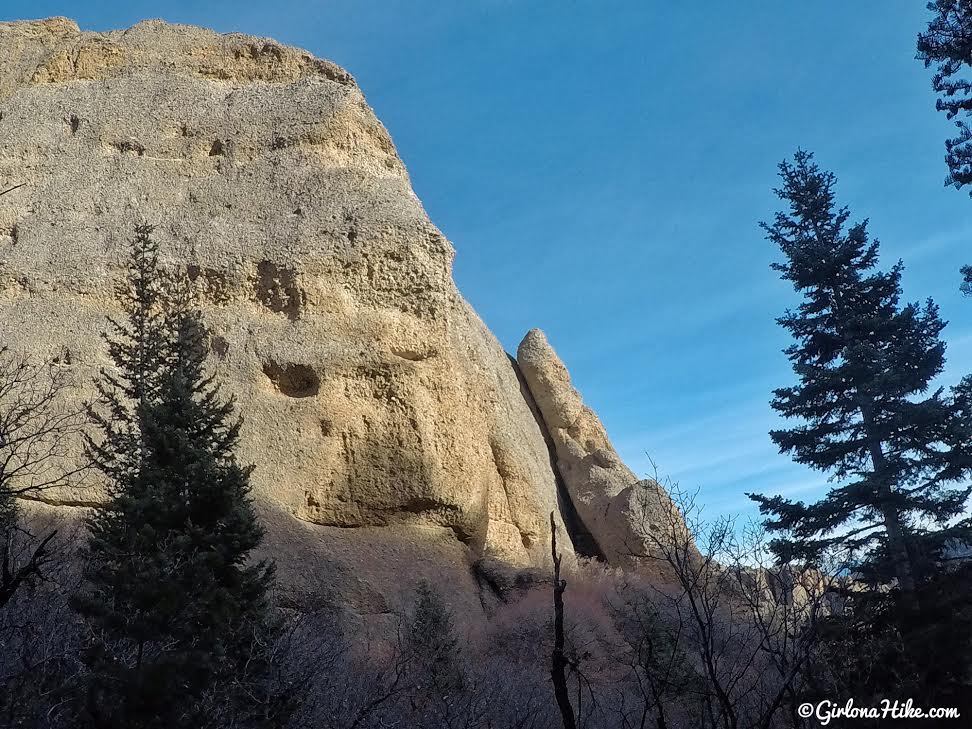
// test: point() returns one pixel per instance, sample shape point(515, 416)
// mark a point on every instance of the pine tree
point(432, 653)
point(136, 347)
point(948, 44)
point(900, 455)
point(170, 599)
point(431, 635)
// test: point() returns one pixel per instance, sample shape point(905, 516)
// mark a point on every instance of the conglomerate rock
point(387, 426)
point(625, 516)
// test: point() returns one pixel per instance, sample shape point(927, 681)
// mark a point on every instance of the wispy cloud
point(954, 239)
point(725, 453)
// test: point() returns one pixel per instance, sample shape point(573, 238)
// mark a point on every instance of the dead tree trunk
point(559, 662)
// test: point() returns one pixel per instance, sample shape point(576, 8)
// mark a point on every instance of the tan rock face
point(619, 511)
point(373, 396)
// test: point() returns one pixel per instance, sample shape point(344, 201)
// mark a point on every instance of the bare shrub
point(36, 433)
point(40, 642)
point(725, 640)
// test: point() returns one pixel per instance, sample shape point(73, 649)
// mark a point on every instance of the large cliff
point(391, 433)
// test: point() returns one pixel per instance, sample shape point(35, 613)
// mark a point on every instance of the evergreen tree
point(432, 651)
point(431, 636)
point(901, 456)
point(171, 601)
point(948, 44)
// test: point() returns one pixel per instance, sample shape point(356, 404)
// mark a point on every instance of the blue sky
point(601, 167)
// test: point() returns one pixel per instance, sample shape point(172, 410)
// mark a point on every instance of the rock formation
point(385, 421)
point(618, 510)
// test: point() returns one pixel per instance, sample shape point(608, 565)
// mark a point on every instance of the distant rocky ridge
point(393, 438)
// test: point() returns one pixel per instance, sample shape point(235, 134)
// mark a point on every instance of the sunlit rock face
point(373, 396)
point(392, 437)
point(626, 518)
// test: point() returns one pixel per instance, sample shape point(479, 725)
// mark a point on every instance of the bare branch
point(11, 189)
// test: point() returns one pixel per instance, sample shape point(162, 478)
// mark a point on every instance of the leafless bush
point(36, 432)
point(40, 644)
point(438, 671)
point(724, 640)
